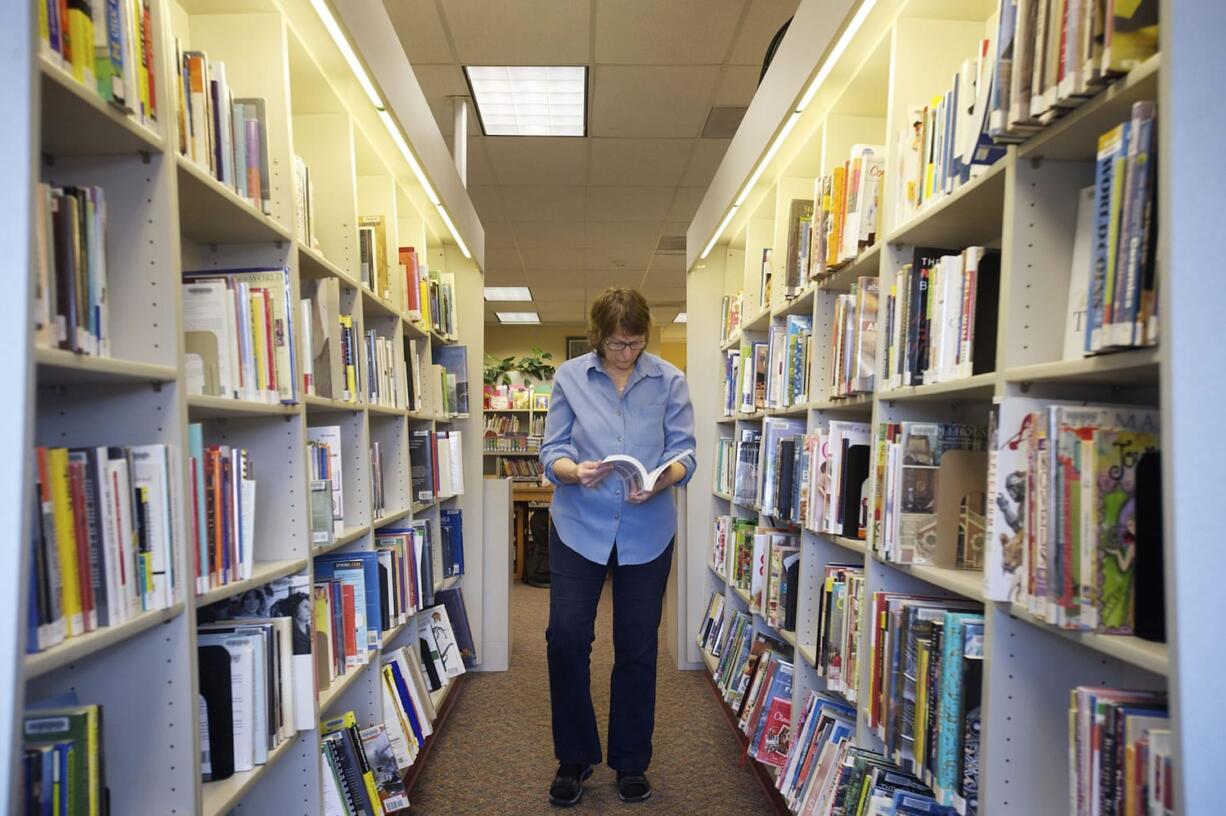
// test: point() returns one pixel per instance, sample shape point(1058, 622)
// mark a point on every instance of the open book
point(632, 469)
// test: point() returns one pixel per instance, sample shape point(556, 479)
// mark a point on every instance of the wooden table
point(522, 494)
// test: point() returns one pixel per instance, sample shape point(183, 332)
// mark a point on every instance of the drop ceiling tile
point(520, 32)
point(706, 158)
point(667, 263)
point(558, 161)
point(550, 234)
point(737, 86)
point(670, 101)
point(544, 203)
point(616, 260)
point(633, 235)
point(638, 162)
point(551, 259)
point(629, 203)
point(480, 169)
point(542, 293)
point(487, 201)
point(420, 30)
point(763, 20)
point(677, 32)
point(498, 235)
point(502, 260)
point(570, 279)
point(505, 277)
point(686, 204)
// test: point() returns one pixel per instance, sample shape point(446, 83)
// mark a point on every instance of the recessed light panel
point(507, 293)
point(518, 317)
point(680, 318)
point(525, 100)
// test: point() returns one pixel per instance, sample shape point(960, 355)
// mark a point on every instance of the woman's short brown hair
point(617, 309)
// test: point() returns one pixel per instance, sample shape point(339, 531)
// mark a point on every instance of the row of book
point(304, 204)
point(1075, 521)
point(837, 633)
point(846, 209)
point(1052, 55)
point(927, 493)
point(771, 373)
point(853, 340)
point(520, 469)
point(940, 317)
point(71, 305)
point(385, 385)
point(730, 316)
point(436, 464)
point(225, 135)
point(378, 500)
point(511, 444)
point(518, 398)
point(239, 335)
point(107, 46)
point(327, 482)
point(361, 769)
point(1121, 754)
point(725, 465)
point(514, 425)
point(223, 517)
point(102, 545)
point(762, 561)
point(62, 766)
point(944, 143)
point(373, 270)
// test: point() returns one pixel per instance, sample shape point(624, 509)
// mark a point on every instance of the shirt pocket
point(647, 425)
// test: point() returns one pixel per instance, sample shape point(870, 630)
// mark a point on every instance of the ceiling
point(571, 216)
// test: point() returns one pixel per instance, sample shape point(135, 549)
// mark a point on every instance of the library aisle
point(496, 756)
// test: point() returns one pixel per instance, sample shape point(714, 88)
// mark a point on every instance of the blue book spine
point(1132, 234)
point(950, 706)
point(406, 702)
point(1104, 174)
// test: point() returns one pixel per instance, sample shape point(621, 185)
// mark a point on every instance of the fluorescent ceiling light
point(455, 233)
point(393, 130)
point(506, 293)
point(524, 100)
point(518, 317)
point(719, 231)
point(766, 160)
point(680, 318)
point(342, 42)
point(836, 52)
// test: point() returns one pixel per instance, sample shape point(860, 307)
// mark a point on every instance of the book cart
point(878, 59)
point(168, 215)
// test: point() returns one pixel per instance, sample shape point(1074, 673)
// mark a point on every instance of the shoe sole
point(553, 800)
point(633, 799)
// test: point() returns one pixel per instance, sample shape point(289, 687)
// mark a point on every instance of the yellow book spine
point(44, 26)
point(921, 712)
point(259, 346)
point(372, 791)
point(66, 541)
point(424, 289)
point(351, 379)
point(93, 760)
point(138, 53)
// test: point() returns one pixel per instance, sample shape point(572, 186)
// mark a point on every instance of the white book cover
point(1079, 277)
point(125, 521)
point(206, 334)
point(247, 493)
point(443, 463)
point(631, 469)
point(116, 608)
point(330, 435)
point(150, 470)
point(305, 345)
point(455, 441)
point(333, 806)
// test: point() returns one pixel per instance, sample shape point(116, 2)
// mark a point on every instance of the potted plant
point(536, 366)
point(498, 370)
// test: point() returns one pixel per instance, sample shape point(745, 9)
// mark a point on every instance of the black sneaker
point(632, 786)
point(567, 787)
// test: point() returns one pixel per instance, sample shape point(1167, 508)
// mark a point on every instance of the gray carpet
point(495, 754)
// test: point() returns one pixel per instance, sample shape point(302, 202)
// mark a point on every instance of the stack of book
point(436, 464)
point(730, 317)
point(522, 469)
point(226, 136)
point(847, 206)
point(765, 712)
point(745, 478)
point(239, 335)
point(354, 604)
point(944, 143)
point(255, 674)
point(71, 305)
point(927, 493)
point(408, 712)
point(406, 568)
point(107, 47)
point(372, 256)
point(725, 465)
point(797, 261)
point(1055, 54)
point(1075, 523)
point(223, 505)
point(441, 304)
point(739, 544)
point(1121, 754)
point(304, 204)
point(853, 340)
point(350, 784)
point(732, 377)
point(327, 482)
point(62, 766)
point(102, 543)
point(940, 317)
point(837, 458)
point(925, 686)
point(385, 374)
point(453, 360)
point(790, 347)
point(837, 643)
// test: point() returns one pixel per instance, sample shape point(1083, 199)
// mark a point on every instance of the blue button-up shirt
point(652, 420)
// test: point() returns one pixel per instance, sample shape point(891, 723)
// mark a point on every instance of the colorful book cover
point(1116, 455)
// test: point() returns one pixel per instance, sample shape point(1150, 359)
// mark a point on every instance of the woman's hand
point(590, 474)
point(674, 474)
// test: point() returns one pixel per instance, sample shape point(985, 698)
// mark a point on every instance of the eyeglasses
point(621, 345)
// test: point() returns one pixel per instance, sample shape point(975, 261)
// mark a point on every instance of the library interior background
point(934, 295)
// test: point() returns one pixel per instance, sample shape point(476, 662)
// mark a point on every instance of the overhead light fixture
point(518, 317)
point(719, 231)
point(455, 233)
point(525, 100)
point(680, 318)
point(836, 52)
point(507, 293)
point(393, 130)
point(342, 42)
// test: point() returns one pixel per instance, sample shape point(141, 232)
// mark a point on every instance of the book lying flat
point(632, 469)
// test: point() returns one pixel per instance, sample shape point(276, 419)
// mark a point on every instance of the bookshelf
point(884, 56)
point(167, 214)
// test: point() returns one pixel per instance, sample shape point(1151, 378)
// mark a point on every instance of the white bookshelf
point(905, 52)
point(168, 215)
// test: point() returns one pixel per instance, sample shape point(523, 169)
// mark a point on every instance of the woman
point(614, 399)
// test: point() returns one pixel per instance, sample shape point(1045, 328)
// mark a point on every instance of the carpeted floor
point(495, 755)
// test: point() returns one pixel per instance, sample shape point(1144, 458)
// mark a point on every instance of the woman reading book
point(616, 399)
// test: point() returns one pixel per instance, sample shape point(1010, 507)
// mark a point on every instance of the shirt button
point(616, 516)
point(619, 439)
point(619, 413)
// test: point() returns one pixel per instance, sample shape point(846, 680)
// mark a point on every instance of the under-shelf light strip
point(827, 66)
point(393, 129)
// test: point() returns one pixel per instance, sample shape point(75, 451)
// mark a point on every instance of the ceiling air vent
point(671, 245)
point(722, 122)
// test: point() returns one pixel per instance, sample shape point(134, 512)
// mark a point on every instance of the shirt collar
point(646, 366)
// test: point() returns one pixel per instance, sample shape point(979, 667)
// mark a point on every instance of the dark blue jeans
point(574, 591)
